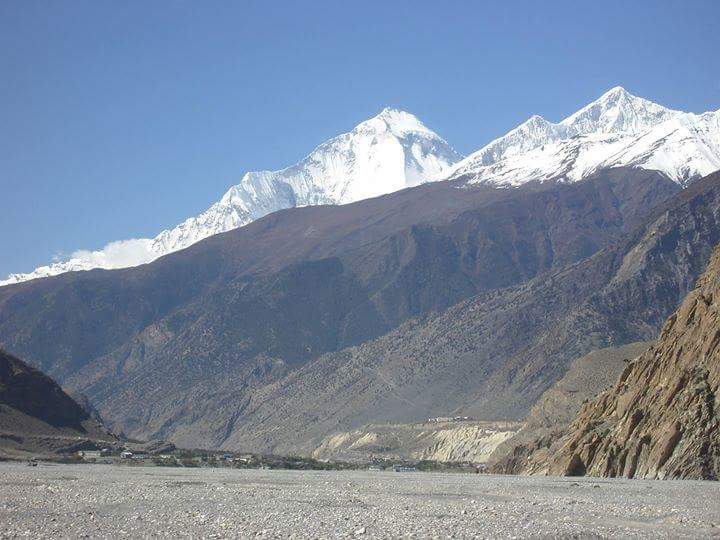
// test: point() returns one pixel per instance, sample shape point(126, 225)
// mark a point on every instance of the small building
point(91, 454)
point(404, 468)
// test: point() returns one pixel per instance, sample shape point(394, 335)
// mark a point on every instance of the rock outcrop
point(662, 417)
point(586, 377)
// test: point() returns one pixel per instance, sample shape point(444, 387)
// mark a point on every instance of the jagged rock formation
point(662, 418)
point(38, 417)
point(586, 377)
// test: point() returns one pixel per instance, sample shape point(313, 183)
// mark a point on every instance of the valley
point(334, 325)
point(360, 270)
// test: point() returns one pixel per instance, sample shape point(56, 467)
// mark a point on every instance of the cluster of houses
point(181, 458)
point(184, 458)
point(108, 454)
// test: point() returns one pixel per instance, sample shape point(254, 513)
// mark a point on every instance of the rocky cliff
point(549, 417)
point(661, 419)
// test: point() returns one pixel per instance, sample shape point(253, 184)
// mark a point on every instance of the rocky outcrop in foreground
point(549, 418)
point(661, 419)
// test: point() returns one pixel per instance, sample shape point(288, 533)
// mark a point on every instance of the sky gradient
point(120, 119)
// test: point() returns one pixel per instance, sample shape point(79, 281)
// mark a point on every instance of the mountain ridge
point(255, 303)
point(395, 150)
point(492, 355)
point(38, 417)
point(617, 129)
point(391, 151)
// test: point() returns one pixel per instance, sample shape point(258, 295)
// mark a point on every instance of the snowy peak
point(532, 133)
point(617, 129)
point(617, 111)
point(398, 122)
point(388, 152)
point(391, 151)
point(395, 150)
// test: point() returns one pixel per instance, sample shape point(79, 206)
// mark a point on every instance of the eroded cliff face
point(661, 419)
point(465, 441)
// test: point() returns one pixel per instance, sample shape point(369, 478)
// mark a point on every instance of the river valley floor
point(104, 501)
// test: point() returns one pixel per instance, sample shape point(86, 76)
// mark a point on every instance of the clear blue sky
point(122, 118)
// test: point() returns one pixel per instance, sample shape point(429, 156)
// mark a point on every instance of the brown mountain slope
point(662, 418)
point(183, 346)
point(37, 417)
point(492, 356)
point(586, 377)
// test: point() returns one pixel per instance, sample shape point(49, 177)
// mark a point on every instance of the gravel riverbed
point(70, 501)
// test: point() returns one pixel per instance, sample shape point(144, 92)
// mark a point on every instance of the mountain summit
point(395, 150)
point(391, 151)
point(388, 152)
point(618, 129)
point(617, 111)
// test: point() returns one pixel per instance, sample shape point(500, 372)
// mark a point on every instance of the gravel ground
point(116, 501)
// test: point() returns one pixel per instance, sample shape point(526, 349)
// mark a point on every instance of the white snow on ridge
point(118, 254)
point(389, 152)
point(394, 150)
point(618, 129)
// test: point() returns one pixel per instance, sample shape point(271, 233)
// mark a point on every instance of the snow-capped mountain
point(391, 151)
point(618, 129)
point(394, 150)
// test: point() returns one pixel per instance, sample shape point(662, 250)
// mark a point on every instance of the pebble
point(105, 501)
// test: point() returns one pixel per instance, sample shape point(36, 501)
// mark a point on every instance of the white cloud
point(118, 254)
